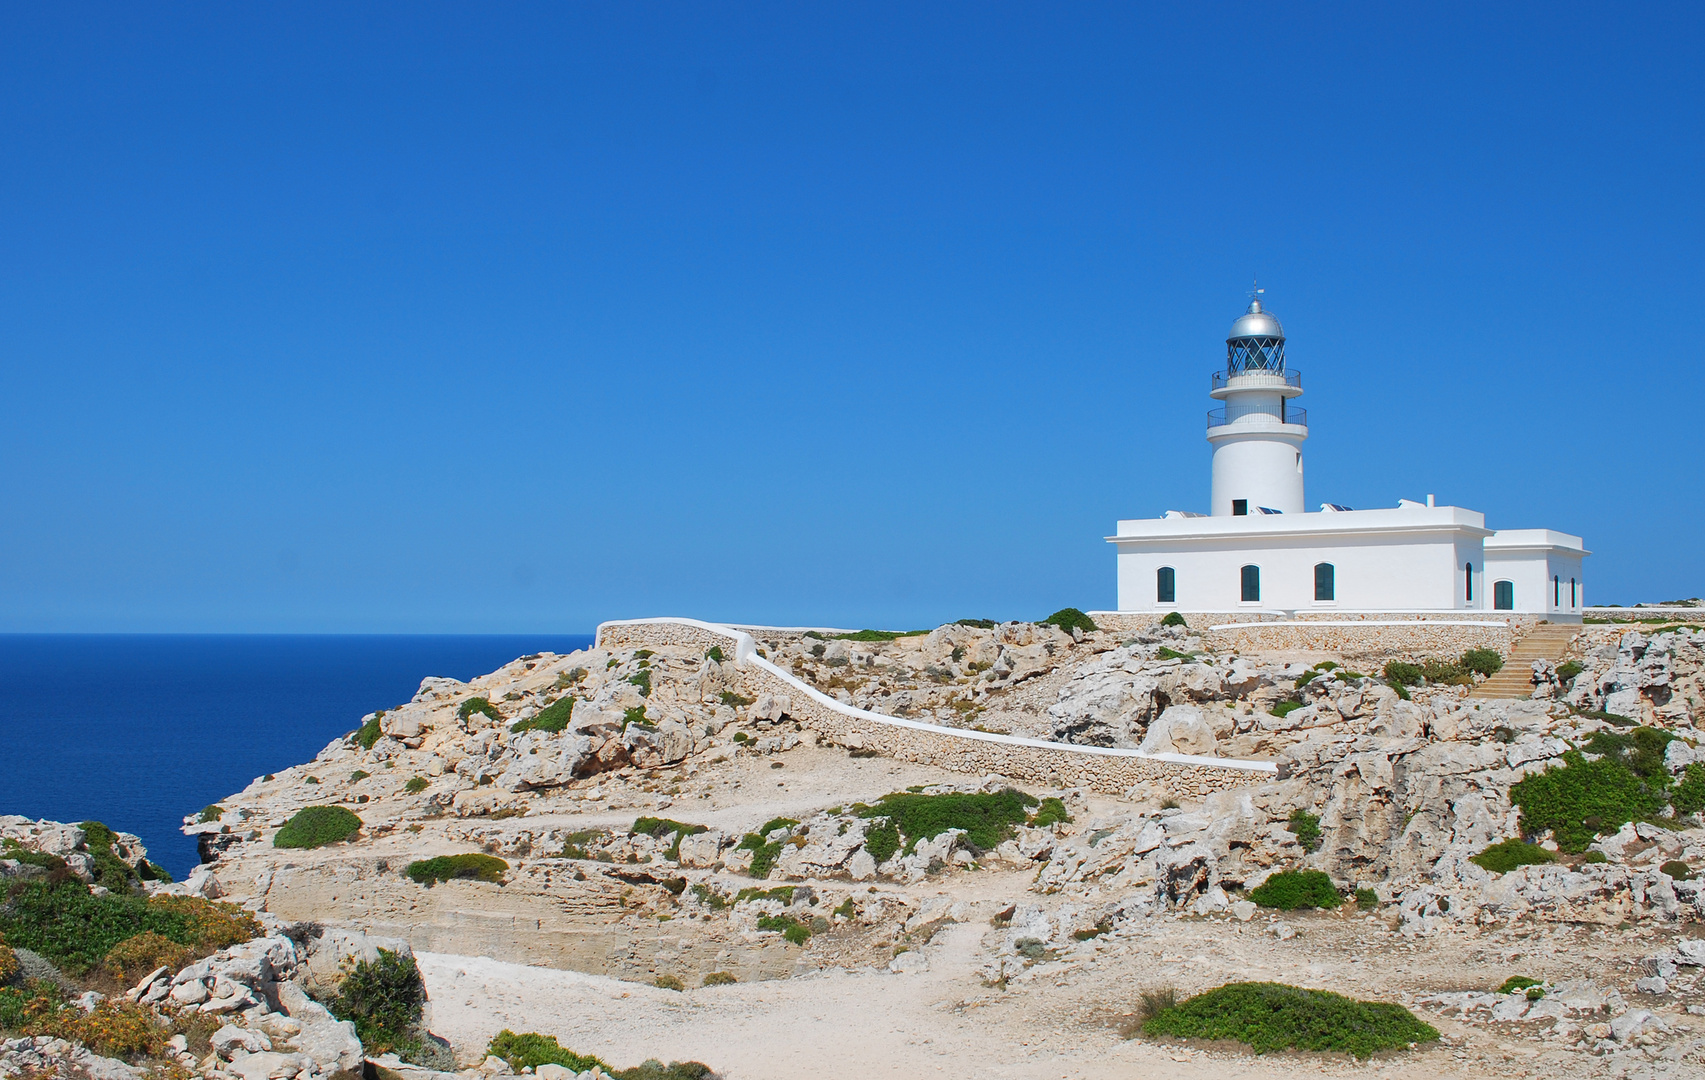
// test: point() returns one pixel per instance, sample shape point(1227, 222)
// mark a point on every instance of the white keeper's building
point(1260, 550)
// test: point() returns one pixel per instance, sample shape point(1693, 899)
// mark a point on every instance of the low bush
point(209, 925)
point(553, 718)
point(642, 681)
point(668, 982)
point(787, 926)
point(480, 705)
point(1070, 618)
point(1567, 670)
point(1516, 983)
point(1293, 889)
point(1595, 857)
point(316, 826)
point(470, 867)
point(980, 624)
point(385, 998)
point(1678, 870)
point(1641, 749)
point(1051, 810)
point(1164, 653)
point(882, 839)
point(359, 775)
point(110, 871)
point(74, 929)
point(123, 1030)
point(1689, 795)
point(764, 854)
point(658, 828)
point(1273, 1016)
point(878, 635)
point(729, 697)
point(986, 818)
point(1506, 855)
point(1172, 618)
point(210, 813)
point(1402, 673)
point(576, 845)
point(135, 957)
point(1367, 898)
point(719, 978)
point(369, 732)
point(1485, 662)
point(1306, 827)
point(1582, 799)
point(416, 785)
point(531, 1050)
point(9, 966)
point(635, 715)
point(1283, 709)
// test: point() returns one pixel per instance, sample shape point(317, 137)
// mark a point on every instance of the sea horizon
point(137, 730)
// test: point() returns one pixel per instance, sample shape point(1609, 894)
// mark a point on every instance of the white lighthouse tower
point(1257, 437)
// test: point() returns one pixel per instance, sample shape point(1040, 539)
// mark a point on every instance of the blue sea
point(139, 730)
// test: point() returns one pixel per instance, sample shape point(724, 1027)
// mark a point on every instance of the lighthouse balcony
point(1287, 383)
point(1251, 419)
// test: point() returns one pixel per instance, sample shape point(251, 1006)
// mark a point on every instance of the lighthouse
point(1258, 435)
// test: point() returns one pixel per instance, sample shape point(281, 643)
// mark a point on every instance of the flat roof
point(1396, 520)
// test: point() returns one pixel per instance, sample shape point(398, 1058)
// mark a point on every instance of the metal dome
point(1256, 323)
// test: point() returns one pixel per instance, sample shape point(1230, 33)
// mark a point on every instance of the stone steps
point(1515, 680)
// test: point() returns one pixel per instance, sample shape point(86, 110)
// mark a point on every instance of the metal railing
point(1291, 377)
point(1217, 417)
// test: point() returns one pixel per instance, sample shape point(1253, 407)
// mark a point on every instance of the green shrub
point(210, 813)
point(472, 866)
point(1641, 749)
point(1609, 717)
point(742, 737)
point(1506, 855)
point(986, 818)
point(1367, 898)
point(1068, 618)
point(773, 824)
point(1284, 708)
point(786, 925)
point(1482, 662)
point(878, 635)
point(715, 653)
point(384, 997)
point(532, 1050)
point(1567, 670)
point(980, 624)
point(1689, 795)
point(1164, 653)
point(1292, 889)
point(1050, 811)
point(1172, 618)
point(882, 839)
point(642, 680)
point(1582, 799)
point(729, 697)
point(477, 705)
point(110, 871)
point(1273, 1016)
point(635, 715)
point(1306, 827)
point(359, 775)
point(764, 855)
point(416, 785)
point(135, 957)
point(316, 826)
point(552, 718)
point(74, 929)
point(1515, 983)
point(658, 828)
point(369, 732)
point(668, 982)
point(1678, 870)
point(719, 978)
point(1402, 673)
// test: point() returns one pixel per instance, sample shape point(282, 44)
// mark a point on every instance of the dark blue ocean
point(139, 730)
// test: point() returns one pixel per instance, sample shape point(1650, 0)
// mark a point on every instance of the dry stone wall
point(1110, 771)
point(1369, 638)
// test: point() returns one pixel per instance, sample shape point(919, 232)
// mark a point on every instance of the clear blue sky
point(484, 317)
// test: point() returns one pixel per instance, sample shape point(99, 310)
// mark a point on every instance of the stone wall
point(1110, 771)
point(1368, 643)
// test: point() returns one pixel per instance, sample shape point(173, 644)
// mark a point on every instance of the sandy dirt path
point(854, 1025)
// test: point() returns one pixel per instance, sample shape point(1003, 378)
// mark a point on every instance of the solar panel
point(1268, 510)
